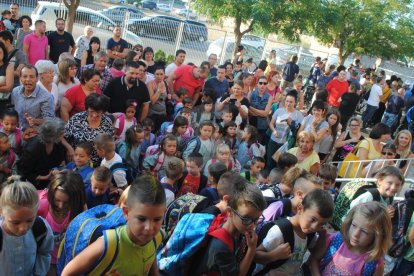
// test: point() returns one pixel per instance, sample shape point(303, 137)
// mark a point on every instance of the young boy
point(179, 101)
point(192, 181)
point(285, 162)
point(315, 211)
point(97, 192)
point(7, 158)
point(303, 185)
point(138, 239)
point(215, 171)
point(105, 148)
point(257, 165)
point(82, 162)
point(238, 70)
point(244, 211)
point(226, 117)
point(327, 174)
point(173, 172)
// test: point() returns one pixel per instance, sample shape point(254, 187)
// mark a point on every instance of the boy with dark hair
point(215, 171)
point(192, 181)
point(97, 192)
point(173, 172)
point(327, 174)
point(285, 162)
point(253, 175)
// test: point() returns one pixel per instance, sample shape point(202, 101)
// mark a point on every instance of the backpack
point(348, 193)
point(130, 172)
point(121, 119)
point(335, 243)
point(86, 228)
point(400, 222)
point(259, 151)
point(39, 231)
point(288, 236)
point(164, 127)
point(229, 166)
point(192, 233)
point(185, 141)
point(188, 203)
point(287, 207)
point(274, 188)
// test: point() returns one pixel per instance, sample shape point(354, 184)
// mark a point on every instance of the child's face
point(100, 152)
point(245, 135)
point(332, 119)
point(4, 144)
point(130, 112)
point(257, 167)
point(310, 221)
point(238, 67)
point(6, 16)
point(61, 202)
point(187, 115)
point(208, 107)
point(182, 129)
point(99, 187)
point(81, 157)
point(327, 184)
point(317, 112)
point(226, 117)
point(18, 222)
point(170, 148)
point(360, 234)
point(139, 136)
point(216, 134)
point(223, 156)
point(243, 215)
point(192, 168)
point(9, 124)
point(189, 105)
point(388, 154)
point(144, 221)
point(389, 186)
point(206, 132)
point(232, 131)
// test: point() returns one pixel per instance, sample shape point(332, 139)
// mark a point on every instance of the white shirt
point(119, 175)
point(126, 126)
point(170, 68)
point(374, 95)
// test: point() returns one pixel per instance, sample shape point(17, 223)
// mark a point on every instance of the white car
point(184, 12)
point(164, 7)
point(253, 49)
point(102, 25)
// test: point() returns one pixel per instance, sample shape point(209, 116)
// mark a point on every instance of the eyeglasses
point(354, 125)
point(262, 83)
point(387, 153)
point(247, 220)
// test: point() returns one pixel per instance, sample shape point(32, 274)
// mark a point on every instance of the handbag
point(354, 165)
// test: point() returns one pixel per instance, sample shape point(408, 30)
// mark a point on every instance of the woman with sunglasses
point(260, 104)
point(388, 156)
point(138, 48)
point(348, 139)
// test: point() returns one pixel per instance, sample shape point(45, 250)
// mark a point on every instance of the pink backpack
point(121, 118)
point(153, 150)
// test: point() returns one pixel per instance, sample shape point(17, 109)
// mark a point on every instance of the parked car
point(164, 7)
point(184, 12)
point(103, 26)
point(251, 49)
point(168, 27)
point(147, 4)
point(118, 13)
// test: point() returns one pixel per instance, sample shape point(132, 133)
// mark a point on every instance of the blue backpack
point(86, 228)
point(336, 242)
point(188, 238)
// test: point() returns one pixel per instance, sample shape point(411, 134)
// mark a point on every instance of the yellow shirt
point(369, 146)
point(308, 162)
point(386, 92)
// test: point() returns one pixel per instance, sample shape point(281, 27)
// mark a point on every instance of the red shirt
point(76, 96)
point(335, 90)
point(191, 184)
point(185, 78)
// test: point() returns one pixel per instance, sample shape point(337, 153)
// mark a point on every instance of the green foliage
point(160, 55)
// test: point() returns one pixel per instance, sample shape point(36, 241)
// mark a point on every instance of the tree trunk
point(237, 34)
point(72, 6)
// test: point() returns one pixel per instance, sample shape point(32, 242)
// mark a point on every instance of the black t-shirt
point(348, 103)
point(15, 23)
point(119, 93)
point(59, 44)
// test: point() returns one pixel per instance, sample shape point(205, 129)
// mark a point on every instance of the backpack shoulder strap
point(18, 137)
point(375, 194)
point(160, 161)
point(369, 268)
point(157, 240)
point(224, 236)
point(333, 247)
point(287, 207)
point(39, 231)
point(247, 174)
point(121, 119)
point(109, 255)
point(203, 182)
point(11, 158)
point(168, 187)
point(198, 144)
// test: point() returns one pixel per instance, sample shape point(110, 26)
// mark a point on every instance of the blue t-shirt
point(93, 200)
point(116, 46)
point(290, 70)
point(220, 87)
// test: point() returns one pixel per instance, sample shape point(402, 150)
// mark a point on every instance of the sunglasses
point(262, 83)
point(387, 153)
point(247, 220)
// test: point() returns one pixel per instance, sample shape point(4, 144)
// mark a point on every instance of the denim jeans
point(369, 112)
point(389, 119)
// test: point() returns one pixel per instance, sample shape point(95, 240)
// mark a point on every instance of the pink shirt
point(345, 262)
point(116, 73)
point(37, 46)
point(59, 229)
point(184, 78)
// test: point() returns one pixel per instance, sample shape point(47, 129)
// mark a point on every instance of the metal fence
point(170, 32)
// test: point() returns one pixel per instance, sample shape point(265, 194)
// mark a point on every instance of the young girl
point(204, 113)
point(20, 253)
point(7, 158)
point(333, 118)
point(9, 123)
point(229, 133)
point(202, 144)
point(360, 247)
point(125, 121)
point(249, 147)
point(223, 155)
point(178, 128)
point(155, 163)
point(130, 149)
point(82, 162)
point(60, 204)
point(149, 137)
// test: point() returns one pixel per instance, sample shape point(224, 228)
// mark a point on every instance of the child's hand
point(251, 239)
point(390, 211)
point(282, 252)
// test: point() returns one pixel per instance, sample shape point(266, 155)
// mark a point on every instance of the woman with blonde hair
point(66, 77)
point(308, 159)
point(82, 43)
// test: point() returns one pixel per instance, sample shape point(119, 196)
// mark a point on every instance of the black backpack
point(130, 172)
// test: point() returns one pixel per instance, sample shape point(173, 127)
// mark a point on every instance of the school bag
point(273, 188)
point(400, 222)
point(288, 236)
point(155, 150)
point(348, 193)
point(185, 141)
point(191, 234)
point(130, 172)
point(86, 228)
point(335, 243)
point(229, 164)
point(271, 207)
point(39, 231)
point(188, 203)
point(121, 118)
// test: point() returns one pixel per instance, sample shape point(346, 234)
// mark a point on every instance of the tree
point(289, 18)
point(72, 6)
point(370, 27)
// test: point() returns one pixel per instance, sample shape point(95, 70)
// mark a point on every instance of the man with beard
point(35, 44)
point(60, 41)
point(32, 103)
point(129, 87)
